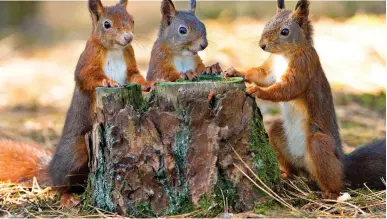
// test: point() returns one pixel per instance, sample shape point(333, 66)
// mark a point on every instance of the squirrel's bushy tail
point(367, 165)
point(20, 162)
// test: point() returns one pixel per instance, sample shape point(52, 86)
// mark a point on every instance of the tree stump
point(171, 152)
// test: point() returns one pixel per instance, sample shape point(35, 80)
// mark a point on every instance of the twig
point(271, 193)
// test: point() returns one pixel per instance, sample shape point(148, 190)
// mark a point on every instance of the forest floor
point(361, 120)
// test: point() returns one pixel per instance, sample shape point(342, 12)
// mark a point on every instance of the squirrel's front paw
point(189, 75)
point(231, 72)
point(254, 90)
point(110, 83)
point(214, 69)
point(148, 86)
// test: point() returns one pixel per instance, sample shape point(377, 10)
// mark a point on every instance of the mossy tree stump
point(170, 153)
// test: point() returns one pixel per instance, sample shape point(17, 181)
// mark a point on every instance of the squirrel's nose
point(128, 38)
point(204, 45)
point(263, 46)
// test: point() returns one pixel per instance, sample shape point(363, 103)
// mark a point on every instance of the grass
point(304, 199)
point(297, 198)
point(24, 201)
point(377, 102)
point(363, 202)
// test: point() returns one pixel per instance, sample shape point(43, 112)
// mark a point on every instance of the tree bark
point(171, 152)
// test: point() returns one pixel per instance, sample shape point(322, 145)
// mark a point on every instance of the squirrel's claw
point(189, 75)
point(110, 83)
point(149, 86)
point(104, 83)
point(253, 90)
point(214, 69)
point(218, 69)
point(146, 88)
point(230, 72)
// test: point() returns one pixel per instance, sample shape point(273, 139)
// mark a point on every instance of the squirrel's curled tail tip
point(21, 162)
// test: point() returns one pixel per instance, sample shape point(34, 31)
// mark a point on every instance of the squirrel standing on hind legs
point(307, 138)
point(107, 61)
point(175, 53)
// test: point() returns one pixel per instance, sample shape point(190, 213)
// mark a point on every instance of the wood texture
point(170, 152)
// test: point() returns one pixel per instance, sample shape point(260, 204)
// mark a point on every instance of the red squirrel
point(307, 137)
point(175, 53)
point(107, 61)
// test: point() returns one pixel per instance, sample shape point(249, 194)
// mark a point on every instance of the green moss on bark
point(86, 197)
point(103, 177)
point(179, 203)
point(130, 94)
point(224, 192)
point(264, 159)
point(179, 200)
point(204, 78)
point(141, 210)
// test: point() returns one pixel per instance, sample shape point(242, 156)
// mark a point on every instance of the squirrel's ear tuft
point(301, 12)
point(96, 9)
point(280, 5)
point(123, 3)
point(168, 11)
point(192, 6)
point(301, 16)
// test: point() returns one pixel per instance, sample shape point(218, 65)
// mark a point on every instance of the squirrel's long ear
point(123, 3)
point(192, 6)
point(301, 16)
point(301, 13)
point(280, 5)
point(168, 11)
point(96, 9)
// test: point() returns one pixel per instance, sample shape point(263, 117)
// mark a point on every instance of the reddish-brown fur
point(162, 64)
point(256, 74)
point(170, 44)
point(306, 86)
point(278, 142)
point(16, 167)
point(68, 169)
point(69, 165)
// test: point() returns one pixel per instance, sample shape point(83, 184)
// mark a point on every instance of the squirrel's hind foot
point(68, 200)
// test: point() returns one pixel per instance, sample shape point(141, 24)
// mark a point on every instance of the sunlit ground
point(36, 86)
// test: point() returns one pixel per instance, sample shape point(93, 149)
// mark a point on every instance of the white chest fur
point(184, 63)
point(293, 118)
point(294, 123)
point(280, 64)
point(115, 66)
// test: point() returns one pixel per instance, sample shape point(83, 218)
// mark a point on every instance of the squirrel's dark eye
point(285, 32)
point(183, 30)
point(107, 25)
